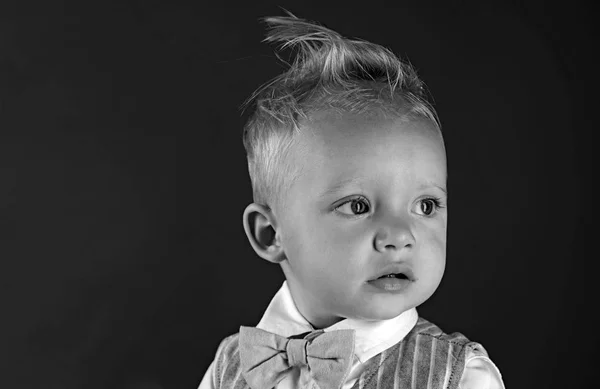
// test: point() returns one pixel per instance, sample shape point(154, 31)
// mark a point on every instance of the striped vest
point(425, 358)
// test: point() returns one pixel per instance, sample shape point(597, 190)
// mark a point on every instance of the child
point(348, 170)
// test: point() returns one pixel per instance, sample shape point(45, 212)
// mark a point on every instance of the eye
point(356, 206)
point(428, 206)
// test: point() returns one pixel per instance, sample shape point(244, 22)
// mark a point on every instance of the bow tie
point(266, 358)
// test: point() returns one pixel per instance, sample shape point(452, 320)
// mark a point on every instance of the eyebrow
point(431, 184)
point(354, 180)
point(341, 185)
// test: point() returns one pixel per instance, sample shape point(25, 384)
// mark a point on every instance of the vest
point(425, 358)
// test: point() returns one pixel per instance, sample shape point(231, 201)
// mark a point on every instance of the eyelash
point(437, 204)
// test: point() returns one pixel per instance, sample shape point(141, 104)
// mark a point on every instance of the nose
point(395, 236)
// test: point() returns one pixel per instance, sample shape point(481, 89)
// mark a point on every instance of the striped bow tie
point(266, 358)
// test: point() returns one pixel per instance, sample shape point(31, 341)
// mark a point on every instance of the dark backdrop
point(123, 261)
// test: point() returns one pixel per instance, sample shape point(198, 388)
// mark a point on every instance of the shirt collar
point(370, 337)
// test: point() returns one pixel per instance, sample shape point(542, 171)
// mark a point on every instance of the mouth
point(399, 272)
point(400, 276)
point(393, 282)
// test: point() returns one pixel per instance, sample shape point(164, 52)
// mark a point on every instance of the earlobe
point(261, 229)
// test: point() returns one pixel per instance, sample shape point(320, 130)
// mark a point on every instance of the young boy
point(348, 170)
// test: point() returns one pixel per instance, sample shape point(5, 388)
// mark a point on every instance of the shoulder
point(229, 345)
point(470, 363)
point(480, 372)
point(426, 328)
point(456, 339)
point(227, 359)
point(228, 351)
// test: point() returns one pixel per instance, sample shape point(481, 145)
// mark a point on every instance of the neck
point(318, 319)
point(321, 323)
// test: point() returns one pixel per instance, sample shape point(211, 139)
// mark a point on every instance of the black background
point(123, 179)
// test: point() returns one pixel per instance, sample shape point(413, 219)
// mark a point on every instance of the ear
point(261, 229)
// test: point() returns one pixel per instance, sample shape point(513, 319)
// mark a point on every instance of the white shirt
point(371, 338)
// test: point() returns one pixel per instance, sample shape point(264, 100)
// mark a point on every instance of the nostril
point(392, 246)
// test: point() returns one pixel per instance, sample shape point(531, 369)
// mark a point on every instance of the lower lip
point(391, 284)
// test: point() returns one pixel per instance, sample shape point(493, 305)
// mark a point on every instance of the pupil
point(357, 207)
point(426, 207)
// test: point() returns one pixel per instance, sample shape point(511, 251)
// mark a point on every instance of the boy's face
point(365, 205)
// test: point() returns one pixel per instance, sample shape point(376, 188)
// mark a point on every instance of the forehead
point(342, 146)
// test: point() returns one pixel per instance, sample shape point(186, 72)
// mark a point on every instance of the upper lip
point(397, 268)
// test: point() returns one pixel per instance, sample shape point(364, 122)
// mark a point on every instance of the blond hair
point(328, 72)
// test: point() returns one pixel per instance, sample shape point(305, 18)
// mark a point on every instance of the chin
point(386, 313)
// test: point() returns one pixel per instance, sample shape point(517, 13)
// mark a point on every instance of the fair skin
point(370, 200)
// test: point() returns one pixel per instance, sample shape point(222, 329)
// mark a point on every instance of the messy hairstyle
point(328, 72)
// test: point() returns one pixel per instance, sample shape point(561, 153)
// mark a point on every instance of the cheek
point(307, 248)
point(435, 251)
point(327, 250)
point(338, 233)
point(438, 239)
point(337, 239)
